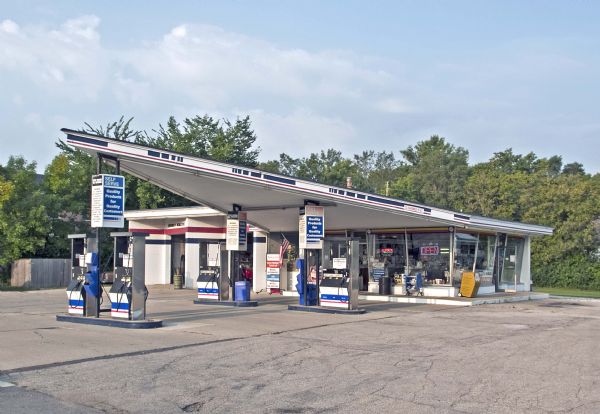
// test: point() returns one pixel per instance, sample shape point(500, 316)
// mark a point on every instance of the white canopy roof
point(272, 200)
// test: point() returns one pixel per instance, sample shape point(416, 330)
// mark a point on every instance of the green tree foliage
point(538, 190)
point(24, 222)
point(6, 189)
point(67, 187)
point(435, 173)
point(376, 171)
point(204, 137)
point(328, 167)
point(370, 171)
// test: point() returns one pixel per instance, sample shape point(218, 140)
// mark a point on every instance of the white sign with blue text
point(312, 227)
point(108, 200)
point(236, 237)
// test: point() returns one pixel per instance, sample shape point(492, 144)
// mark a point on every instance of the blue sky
point(311, 74)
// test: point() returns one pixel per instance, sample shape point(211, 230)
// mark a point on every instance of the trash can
point(242, 291)
point(385, 285)
point(177, 281)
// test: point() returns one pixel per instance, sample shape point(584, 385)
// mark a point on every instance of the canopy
point(272, 200)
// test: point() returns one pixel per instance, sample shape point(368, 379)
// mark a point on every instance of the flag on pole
point(285, 244)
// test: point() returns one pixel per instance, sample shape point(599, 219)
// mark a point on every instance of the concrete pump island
point(256, 231)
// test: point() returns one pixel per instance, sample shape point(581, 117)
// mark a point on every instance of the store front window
point(510, 263)
point(429, 254)
point(410, 253)
point(474, 253)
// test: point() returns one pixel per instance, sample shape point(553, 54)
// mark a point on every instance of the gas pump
point(339, 286)
point(213, 282)
point(128, 293)
point(83, 291)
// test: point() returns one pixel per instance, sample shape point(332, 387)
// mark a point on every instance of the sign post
point(273, 272)
point(236, 241)
point(237, 236)
point(108, 200)
point(312, 227)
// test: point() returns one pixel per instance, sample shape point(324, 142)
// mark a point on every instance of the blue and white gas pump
point(213, 280)
point(128, 293)
point(83, 291)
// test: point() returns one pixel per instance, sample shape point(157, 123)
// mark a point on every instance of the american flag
point(283, 249)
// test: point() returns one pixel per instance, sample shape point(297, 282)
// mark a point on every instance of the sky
point(312, 75)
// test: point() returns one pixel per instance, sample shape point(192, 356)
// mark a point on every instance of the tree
point(24, 223)
point(376, 171)
point(435, 174)
point(205, 137)
point(326, 167)
point(67, 185)
point(574, 168)
point(6, 189)
point(200, 136)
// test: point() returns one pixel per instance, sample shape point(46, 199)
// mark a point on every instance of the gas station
point(346, 244)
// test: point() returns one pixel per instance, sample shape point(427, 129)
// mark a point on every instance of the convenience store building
point(396, 237)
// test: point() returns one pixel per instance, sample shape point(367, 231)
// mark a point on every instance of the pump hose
point(212, 280)
point(71, 294)
point(119, 298)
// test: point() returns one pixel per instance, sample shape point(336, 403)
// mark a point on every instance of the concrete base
point(249, 304)
point(115, 323)
point(321, 309)
point(458, 301)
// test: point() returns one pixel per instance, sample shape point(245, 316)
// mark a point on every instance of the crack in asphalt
point(177, 347)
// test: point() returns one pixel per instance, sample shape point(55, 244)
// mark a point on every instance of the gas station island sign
point(312, 227)
point(108, 200)
point(236, 236)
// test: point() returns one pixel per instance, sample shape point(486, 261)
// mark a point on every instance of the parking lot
point(540, 356)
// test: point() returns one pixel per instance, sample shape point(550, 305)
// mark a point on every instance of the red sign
point(433, 250)
point(386, 251)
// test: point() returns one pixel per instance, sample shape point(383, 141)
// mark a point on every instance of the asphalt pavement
point(534, 357)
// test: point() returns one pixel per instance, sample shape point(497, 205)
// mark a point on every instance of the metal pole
point(99, 288)
point(406, 252)
point(318, 268)
point(475, 255)
point(516, 255)
point(305, 271)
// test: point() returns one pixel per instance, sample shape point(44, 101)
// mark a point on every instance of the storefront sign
point(236, 236)
point(378, 271)
point(339, 263)
point(386, 251)
point(413, 209)
point(273, 271)
point(108, 200)
point(311, 227)
point(432, 250)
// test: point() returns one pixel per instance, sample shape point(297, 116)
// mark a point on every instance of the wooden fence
point(40, 273)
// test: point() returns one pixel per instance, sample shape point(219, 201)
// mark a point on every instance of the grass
point(569, 292)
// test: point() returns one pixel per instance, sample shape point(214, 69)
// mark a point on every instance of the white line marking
point(4, 384)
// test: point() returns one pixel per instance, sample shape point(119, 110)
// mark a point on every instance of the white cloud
point(300, 133)
point(68, 62)
point(394, 106)
point(299, 101)
point(8, 26)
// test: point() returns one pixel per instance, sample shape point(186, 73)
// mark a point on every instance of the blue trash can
point(242, 291)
